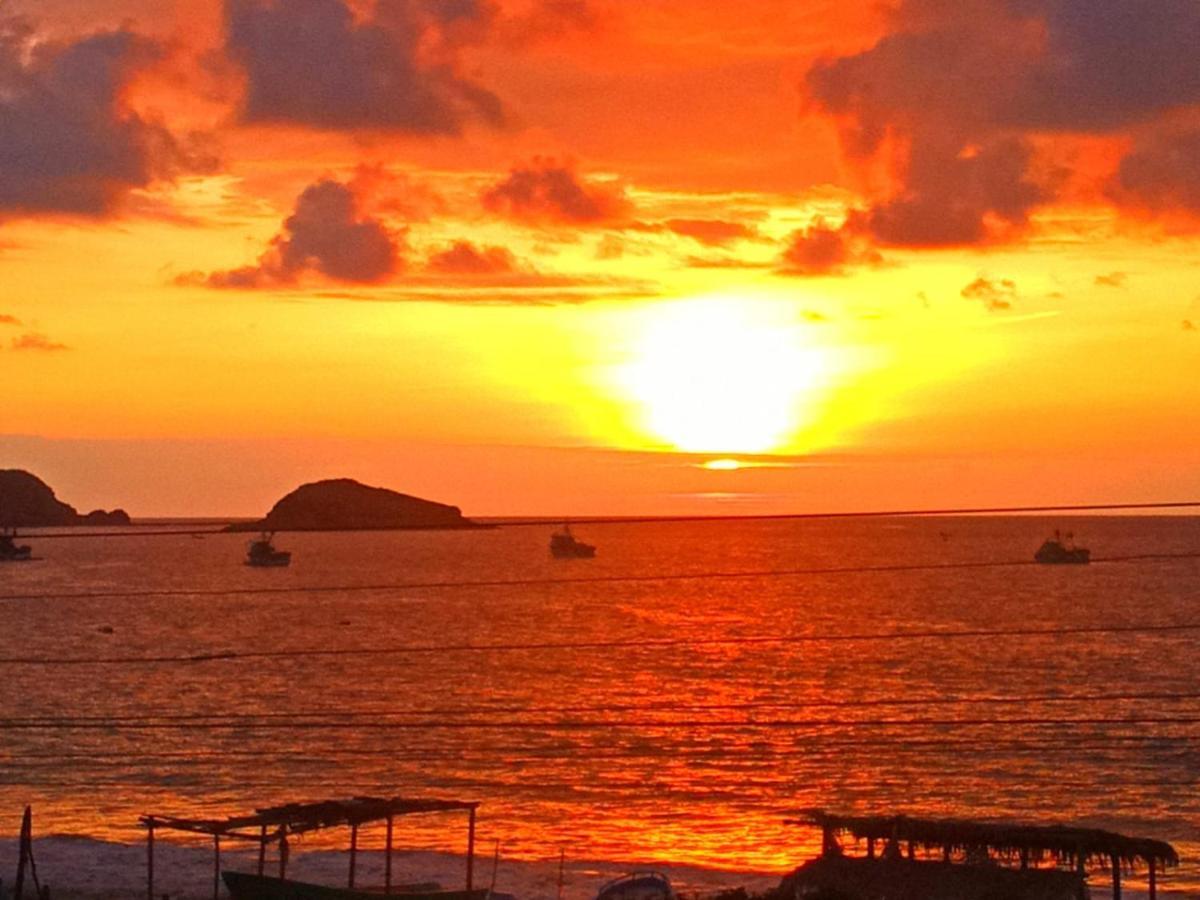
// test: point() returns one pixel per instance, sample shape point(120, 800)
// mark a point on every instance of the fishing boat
point(243, 886)
point(262, 553)
point(10, 550)
point(1056, 551)
point(564, 545)
point(638, 886)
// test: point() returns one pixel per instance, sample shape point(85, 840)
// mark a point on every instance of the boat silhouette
point(10, 550)
point(262, 553)
point(564, 545)
point(1056, 551)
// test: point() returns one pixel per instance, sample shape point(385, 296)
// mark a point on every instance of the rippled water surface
point(676, 744)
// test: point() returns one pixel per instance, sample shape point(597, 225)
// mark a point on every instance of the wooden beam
point(471, 852)
point(1153, 880)
point(283, 852)
point(387, 859)
point(25, 851)
point(353, 852)
point(150, 859)
point(216, 867)
point(262, 850)
point(1116, 874)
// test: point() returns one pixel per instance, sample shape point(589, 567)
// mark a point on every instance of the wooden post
point(1081, 871)
point(471, 851)
point(150, 859)
point(262, 850)
point(562, 859)
point(216, 867)
point(1153, 880)
point(1024, 857)
point(353, 851)
point(826, 840)
point(387, 859)
point(283, 852)
point(870, 848)
point(25, 850)
point(1116, 873)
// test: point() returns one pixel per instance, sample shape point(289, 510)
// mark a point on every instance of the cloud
point(1112, 279)
point(37, 343)
point(997, 295)
point(711, 232)
point(822, 250)
point(337, 65)
point(69, 141)
point(956, 92)
point(464, 258)
point(548, 192)
point(326, 235)
point(1162, 172)
point(9, 320)
point(1189, 325)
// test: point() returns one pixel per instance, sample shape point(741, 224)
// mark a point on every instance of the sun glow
point(725, 375)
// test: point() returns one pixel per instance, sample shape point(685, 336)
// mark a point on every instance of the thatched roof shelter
point(1065, 845)
point(274, 825)
point(297, 818)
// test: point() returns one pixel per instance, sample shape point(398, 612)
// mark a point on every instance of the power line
point(1180, 745)
point(542, 522)
point(674, 707)
point(639, 644)
point(864, 514)
point(575, 580)
point(585, 725)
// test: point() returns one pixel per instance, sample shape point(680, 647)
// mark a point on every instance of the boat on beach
point(262, 553)
point(564, 545)
point(1057, 551)
point(638, 886)
point(10, 550)
point(243, 886)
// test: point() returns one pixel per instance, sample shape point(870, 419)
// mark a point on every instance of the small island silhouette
point(27, 501)
point(342, 504)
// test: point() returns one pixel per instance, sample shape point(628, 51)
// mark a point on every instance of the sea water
point(615, 723)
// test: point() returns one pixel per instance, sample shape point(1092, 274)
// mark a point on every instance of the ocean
point(611, 711)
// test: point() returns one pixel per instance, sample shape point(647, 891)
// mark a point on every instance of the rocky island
point(28, 502)
point(343, 504)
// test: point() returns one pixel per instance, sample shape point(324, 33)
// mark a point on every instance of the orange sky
point(543, 256)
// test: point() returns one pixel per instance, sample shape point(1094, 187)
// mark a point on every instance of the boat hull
point(261, 887)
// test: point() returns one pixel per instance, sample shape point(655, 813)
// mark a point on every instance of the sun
point(723, 374)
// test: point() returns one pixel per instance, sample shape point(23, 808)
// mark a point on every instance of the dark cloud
point(327, 235)
point(464, 258)
point(711, 232)
point(1112, 279)
point(956, 89)
point(331, 64)
point(38, 343)
point(822, 250)
point(69, 142)
point(1162, 171)
point(996, 294)
point(547, 192)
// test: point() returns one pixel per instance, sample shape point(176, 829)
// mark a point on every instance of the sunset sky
point(601, 256)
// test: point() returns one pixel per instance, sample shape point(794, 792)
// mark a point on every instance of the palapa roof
point(1062, 842)
point(297, 818)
